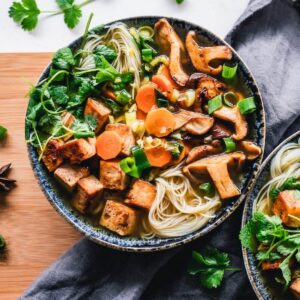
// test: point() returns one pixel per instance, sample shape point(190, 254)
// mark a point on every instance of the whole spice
point(5, 183)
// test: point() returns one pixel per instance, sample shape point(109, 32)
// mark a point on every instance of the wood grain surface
point(36, 234)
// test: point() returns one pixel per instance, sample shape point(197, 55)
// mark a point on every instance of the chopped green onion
point(247, 106)
point(175, 148)
point(114, 106)
point(230, 99)
point(128, 166)
point(3, 132)
point(123, 97)
point(161, 59)
point(79, 135)
point(2, 243)
point(140, 157)
point(146, 32)
point(229, 144)
point(207, 188)
point(214, 104)
point(147, 55)
point(229, 72)
point(119, 86)
point(135, 35)
point(162, 102)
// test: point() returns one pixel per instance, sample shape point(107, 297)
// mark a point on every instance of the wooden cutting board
point(36, 234)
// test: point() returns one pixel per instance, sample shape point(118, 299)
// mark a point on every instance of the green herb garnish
point(3, 132)
point(2, 243)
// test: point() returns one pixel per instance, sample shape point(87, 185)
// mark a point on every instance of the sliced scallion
point(161, 59)
point(229, 144)
point(207, 188)
point(140, 157)
point(146, 32)
point(147, 55)
point(247, 106)
point(128, 166)
point(162, 102)
point(230, 99)
point(123, 97)
point(214, 104)
point(229, 72)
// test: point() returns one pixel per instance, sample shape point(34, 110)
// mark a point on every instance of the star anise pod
point(5, 183)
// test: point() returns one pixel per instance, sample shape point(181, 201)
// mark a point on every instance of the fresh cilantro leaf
point(292, 183)
point(286, 247)
point(53, 71)
point(25, 13)
point(268, 256)
point(59, 94)
point(91, 121)
point(179, 1)
point(63, 59)
point(298, 256)
point(107, 72)
point(107, 52)
point(3, 132)
point(210, 266)
point(81, 129)
point(247, 236)
point(274, 194)
point(286, 271)
point(72, 12)
point(86, 88)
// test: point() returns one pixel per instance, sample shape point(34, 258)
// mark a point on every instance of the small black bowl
point(60, 199)
point(260, 284)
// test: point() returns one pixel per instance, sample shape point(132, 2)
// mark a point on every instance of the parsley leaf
point(3, 132)
point(210, 267)
point(109, 54)
point(59, 94)
point(25, 13)
point(63, 59)
point(72, 12)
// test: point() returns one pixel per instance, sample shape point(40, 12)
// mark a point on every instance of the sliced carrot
point(108, 145)
point(140, 115)
point(160, 122)
point(109, 94)
point(158, 156)
point(164, 70)
point(145, 97)
point(181, 157)
point(163, 83)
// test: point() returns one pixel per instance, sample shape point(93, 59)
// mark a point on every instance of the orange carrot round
point(160, 122)
point(158, 156)
point(145, 98)
point(164, 70)
point(140, 115)
point(108, 145)
point(163, 83)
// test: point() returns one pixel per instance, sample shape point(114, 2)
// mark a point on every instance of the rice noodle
point(285, 164)
point(177, 210)
point(128, 54)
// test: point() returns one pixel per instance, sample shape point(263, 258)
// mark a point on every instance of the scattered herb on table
point(2, 243)
point(210, 267)
point(278, 243)
point(26, 12)
point(5, 183)
point(3, 132)
point(179, 1)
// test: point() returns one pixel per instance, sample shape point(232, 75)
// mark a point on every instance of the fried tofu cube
point(271, 265)
point(295, 288)
point(98, 111)
point(88, 194)
point(67, 120)
point(119, 218)
point(126, 134)
point(52, 157)
point(69, 175)
point(141, 194)
point(79, 150)
point(112, 176)
point(288, 203)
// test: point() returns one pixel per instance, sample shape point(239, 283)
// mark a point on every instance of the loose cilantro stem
point(86, 71)
point(86, 30)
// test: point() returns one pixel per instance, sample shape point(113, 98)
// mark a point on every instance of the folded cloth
point(267, 37)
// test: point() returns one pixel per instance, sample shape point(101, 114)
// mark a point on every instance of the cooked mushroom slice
point(220, 130)
point(203, 151)
point(251, 149)
point(201, 57)
point(194, 123)
point(217, 168)
point(234, 116)
point(168, 38)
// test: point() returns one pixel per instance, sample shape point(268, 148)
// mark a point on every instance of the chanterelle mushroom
point(168, 38)
point(202, 151)
point(194, 123)
point(201, 57)
point(217, 168)
point(251, 149)
point(234, 116)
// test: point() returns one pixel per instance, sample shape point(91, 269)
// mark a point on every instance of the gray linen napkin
point(267, 36)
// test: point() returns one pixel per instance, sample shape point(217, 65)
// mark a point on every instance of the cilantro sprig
point(278, 243)
point(3, 132)
point(26, 12)
point(210, 267)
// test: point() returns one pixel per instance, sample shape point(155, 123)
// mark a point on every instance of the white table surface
point(51, 33)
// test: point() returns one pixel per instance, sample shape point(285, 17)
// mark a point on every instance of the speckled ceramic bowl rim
point(199, 233)
point(258, 286)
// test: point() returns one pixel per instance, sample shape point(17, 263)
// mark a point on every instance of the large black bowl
point(262, 287)
point(60, 200)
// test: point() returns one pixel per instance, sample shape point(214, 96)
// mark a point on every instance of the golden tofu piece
point(126, 134)
point(52, 157)
point(288, 203)
point(142, 194)
point(119, 218)
point(112, 176)
point(88, 194)
point(69, 175)
point(295, 288)
point(79, 150)
point(98, 111)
